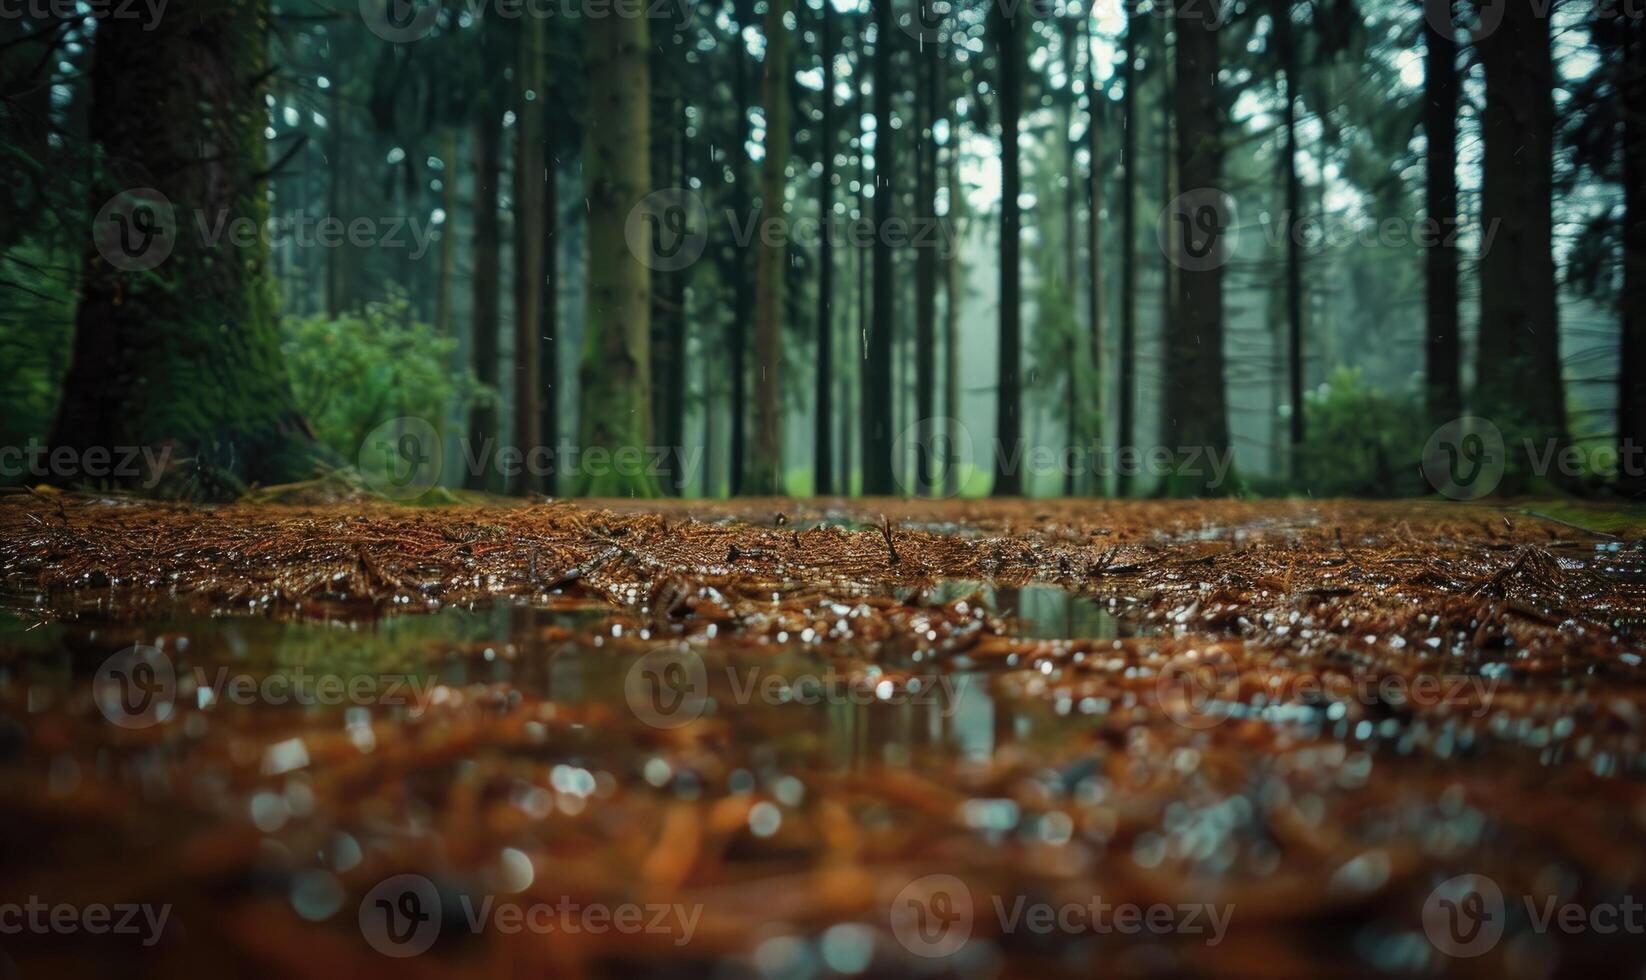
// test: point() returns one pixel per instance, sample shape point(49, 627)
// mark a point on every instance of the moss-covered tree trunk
point(615, 418)
point(823, 423)
point(766, 464)
point(178, 347)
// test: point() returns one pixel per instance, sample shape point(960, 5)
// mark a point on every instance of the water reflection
point(1041, 612)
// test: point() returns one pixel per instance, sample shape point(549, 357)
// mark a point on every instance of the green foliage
point(1361, 441)
point(37, 302)
point(360, 370)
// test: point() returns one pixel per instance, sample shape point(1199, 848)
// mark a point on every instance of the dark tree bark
point(528, 245)
point(1008, 393)
point(1442, 360)
point(1196, 413)
point(548, 349)
point(766, 473)
point(180, 353)
point(1518, 378)
point(1125, 422)
point(742, 296)
point(1094, 236)
point(616, 366)
point(488, 139)
point(823, 430)
point(1286, 50)
point(925, 317)
point(877, 387)
point(448, 239)
point(1631, 413)
point(1071, 248)
point(951, 322)
point(674, 428)
point(336, 181)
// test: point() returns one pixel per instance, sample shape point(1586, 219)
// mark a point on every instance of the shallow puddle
point(1040, 612)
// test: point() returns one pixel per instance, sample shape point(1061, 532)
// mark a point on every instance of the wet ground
point(784, 739)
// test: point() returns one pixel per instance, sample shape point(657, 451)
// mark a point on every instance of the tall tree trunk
point(1286, 51)
point(674, 431)
point(528, 245)
point(766, 473)
point(176, 344)
point(1442, 361)
point(448, 238)
point(878, 472)
point(951, 323)
point(742, 295)
point(1518, 374)
point(925, 317)
point(1125, 422)
point(1169, 182)
point(548, 348)
point(1196, 413)
point(1631, 412)
point(485, 280)
point(1070, 31)
point(336, 179)
point(1008, 394)
point(616, 368)
point(823, 438)
point(1094, 238)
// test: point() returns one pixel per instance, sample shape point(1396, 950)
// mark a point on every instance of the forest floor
point(897, 737)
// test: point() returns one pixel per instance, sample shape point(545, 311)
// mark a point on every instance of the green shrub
point(1360, 441)
point(360, 370)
